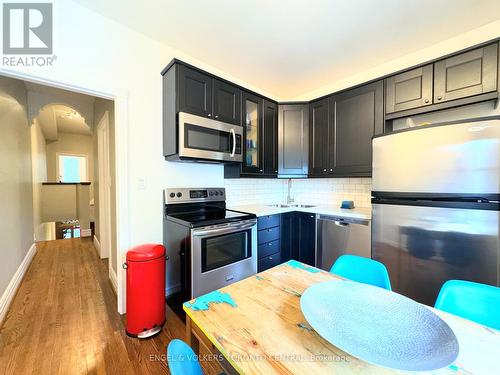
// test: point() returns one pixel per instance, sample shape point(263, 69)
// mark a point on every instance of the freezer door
point(448, 159)
point(422, 247)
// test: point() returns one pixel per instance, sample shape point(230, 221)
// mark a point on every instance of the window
point(72, 168)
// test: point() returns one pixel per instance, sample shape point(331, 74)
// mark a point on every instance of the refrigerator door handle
point(341, 223)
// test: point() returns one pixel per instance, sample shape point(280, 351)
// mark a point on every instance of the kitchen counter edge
point(264, 210)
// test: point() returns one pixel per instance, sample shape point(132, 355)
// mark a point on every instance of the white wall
point(39, 172)
point(304, 191)
point(16, 192)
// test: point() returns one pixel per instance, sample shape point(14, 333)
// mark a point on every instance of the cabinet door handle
point(324, 170)
point(439, 98)
point(216, 116)
point(270, 244)
point(269, 230)
point(426, 100)
point(209, 115)
point(331, 169)
point(270, 258)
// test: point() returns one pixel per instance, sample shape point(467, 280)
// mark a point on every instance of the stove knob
point(172, 195)
point(211, 193)
point(179, 194)
point(216, 193)
point(221, 192)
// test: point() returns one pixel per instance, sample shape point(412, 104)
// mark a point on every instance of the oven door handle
point(228, 229)
point(234, 142)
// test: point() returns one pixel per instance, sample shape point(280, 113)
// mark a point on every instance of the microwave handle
point(234, 142)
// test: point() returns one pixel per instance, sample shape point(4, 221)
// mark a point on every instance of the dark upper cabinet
point(293, 139)
point(357, 115)
point(203, 95)
point(194, 92)
point(270, 138)
point(409, 90)
point(319, 146)
point(470, 73)
point(252, 118)
point(298, 237)
point(226, 102)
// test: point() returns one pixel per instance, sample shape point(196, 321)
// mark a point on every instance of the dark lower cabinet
point(357, 115)
point(269, 262)
point(298, 237)
point(269, 242)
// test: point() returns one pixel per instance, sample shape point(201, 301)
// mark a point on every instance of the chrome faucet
point(289, 199)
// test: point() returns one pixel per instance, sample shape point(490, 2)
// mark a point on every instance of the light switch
point(141, 183)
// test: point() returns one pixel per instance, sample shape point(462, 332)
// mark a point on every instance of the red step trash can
point(145, 290)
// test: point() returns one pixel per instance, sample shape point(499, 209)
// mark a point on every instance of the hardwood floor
point(64, 320)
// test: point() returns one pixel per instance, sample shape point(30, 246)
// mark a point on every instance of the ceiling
point(58, 118)
point(70, 121)
point(289, 48)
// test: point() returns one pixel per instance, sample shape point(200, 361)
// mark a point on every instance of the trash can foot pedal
point(150, 332)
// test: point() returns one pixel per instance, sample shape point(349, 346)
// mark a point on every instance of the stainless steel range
point(208, 246)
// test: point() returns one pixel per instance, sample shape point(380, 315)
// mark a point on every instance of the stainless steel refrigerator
point(435, 206)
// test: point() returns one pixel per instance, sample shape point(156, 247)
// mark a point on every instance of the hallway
point(64, 320)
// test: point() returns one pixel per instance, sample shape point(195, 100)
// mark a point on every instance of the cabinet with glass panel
point(253, 125)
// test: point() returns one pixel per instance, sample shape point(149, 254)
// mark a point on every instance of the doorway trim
point(104, 192)
point(120, 98)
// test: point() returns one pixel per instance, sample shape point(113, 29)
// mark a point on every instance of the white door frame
point(104, 192)
point(120, 98)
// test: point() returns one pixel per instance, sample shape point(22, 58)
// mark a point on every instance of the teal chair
point(474, 301)
point(181, 359)
point(362, 270)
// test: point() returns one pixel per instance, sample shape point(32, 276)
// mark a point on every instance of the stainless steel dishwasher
point(337, 235)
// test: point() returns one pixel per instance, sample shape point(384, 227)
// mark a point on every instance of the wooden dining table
point(256, 326)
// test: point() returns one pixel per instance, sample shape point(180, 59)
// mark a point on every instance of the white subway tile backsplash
point(306, 191)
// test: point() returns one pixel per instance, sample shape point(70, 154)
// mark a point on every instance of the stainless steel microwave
point(209, 140)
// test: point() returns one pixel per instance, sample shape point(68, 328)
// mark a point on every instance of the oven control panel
point(193, 195)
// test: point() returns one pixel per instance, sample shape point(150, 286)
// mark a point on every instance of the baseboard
point(10, 292)
point(86, 232)
point(114, 279)
point(97, 245)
